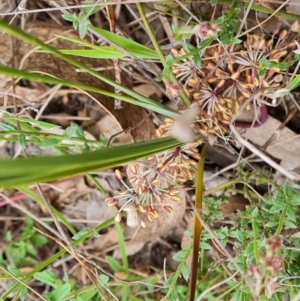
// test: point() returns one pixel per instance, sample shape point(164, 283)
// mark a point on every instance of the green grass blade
point(41, 124)
point(24, 171)
point(36, 197)
point(105, 52)
point(18, 33)
point(131, 46)
point(153, 105)
point(78, 41)
point(138, 50)
point(122, 247)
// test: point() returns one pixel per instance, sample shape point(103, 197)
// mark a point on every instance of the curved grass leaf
point(40, 124)
point(150, 104)
point(24, 171)
point(131, 46)
point(142, 100)
point(136, 49)
point(37, 198)
point(104, 52)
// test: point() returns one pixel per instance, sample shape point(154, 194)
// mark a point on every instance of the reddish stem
point(262, 119)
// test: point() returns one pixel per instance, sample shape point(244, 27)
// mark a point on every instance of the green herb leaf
point(114, 264)
point(24, 292)
point(80, 234)
point(181, 255)
point(23, 141)
point(50, 143)
point(290, 224)
point(69, 17)
point(185, 272)
point(48, 277)
point(60, 293)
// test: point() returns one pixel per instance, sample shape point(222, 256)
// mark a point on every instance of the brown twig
point(282, 125)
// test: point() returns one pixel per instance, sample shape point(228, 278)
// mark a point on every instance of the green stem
point(151, 34)
point(160, 53)
point(255, 242)
point(197, 224)
point(202, 261)
point(16, 297)
point(175, 276)
point(98, 185)
point(122, 246)
point(281, 219)
point(221, 187)
point(48, 136)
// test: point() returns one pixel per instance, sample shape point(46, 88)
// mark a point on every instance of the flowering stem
point(197, 224)
point(160, 53)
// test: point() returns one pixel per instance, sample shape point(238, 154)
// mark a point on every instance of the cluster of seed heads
point(226, 78)
point(154, 181)
point(229, 75)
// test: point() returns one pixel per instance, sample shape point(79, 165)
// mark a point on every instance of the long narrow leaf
point(24, 171)
point(138, 50)
point(15, 31)
point(131, 46)
point(36, 197)
point(37, 123)
point(104, 52)
point(155, 106)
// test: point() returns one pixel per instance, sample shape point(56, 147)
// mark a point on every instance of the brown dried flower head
point(229, 75)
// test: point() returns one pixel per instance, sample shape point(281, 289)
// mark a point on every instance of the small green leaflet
point(59, 293)
point(80, 234)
